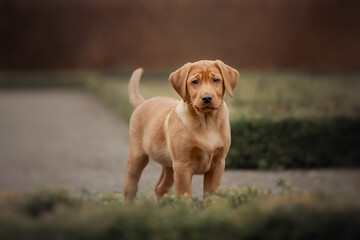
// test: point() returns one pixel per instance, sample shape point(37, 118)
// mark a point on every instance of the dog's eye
point(195, 82)
point(216, 80)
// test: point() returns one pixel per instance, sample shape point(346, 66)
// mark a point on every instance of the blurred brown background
point(316, 35)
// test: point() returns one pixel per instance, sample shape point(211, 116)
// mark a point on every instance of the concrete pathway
point(67, 138)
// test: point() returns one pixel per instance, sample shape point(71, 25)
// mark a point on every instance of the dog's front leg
point(212, 178)
point(182, 179)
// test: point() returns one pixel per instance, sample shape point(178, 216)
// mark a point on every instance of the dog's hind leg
point(135, 165)
point(165, 182)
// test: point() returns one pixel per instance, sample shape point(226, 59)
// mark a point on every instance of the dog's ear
point(178, 80)
point(230, 76)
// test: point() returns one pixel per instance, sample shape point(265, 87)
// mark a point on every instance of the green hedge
point(295, 143)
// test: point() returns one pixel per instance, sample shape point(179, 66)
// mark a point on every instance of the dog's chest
point(207, 144)
point(209, 138)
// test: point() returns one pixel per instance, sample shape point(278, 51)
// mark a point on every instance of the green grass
point(299, 95)
point(236, 213)
point(259, 95)
point(113, 90)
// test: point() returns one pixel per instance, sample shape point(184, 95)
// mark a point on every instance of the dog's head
point(202, 84)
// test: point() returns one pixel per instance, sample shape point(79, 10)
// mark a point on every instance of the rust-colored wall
point(95, 34)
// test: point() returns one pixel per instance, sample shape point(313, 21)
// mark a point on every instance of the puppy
point(186, 137)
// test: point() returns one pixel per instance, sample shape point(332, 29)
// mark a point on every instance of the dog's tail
point(134, 95)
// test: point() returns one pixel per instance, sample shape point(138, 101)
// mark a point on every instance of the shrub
point(294, 143)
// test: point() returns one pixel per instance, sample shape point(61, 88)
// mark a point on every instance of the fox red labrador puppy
point(186, 137)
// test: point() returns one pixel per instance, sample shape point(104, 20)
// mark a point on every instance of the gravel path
point(67, 138)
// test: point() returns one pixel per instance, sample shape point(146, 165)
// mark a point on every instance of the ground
point(68, 138)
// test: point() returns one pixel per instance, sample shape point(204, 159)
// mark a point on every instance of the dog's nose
point(207, 98)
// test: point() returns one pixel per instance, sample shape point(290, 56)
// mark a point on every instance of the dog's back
point(147, 121)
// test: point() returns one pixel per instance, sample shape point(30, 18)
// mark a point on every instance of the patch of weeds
point(42, 201)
